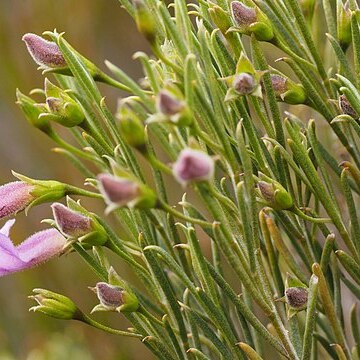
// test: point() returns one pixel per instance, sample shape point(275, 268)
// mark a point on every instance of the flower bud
point(346, 107)
point(219, 17)
point(251, 20)
point(15, 197)
point(344, 25)
point(32, 112)
point(244, 84)
point(287, 91)
point(55, 305)
point(296, 298)
point(273, 194)
point(45, 53)
point(114, 298)
point(123, 191)
point(193, 165)
point(246, 80)
point(171, 106)
point(74, 224)
point(145, 20)
point(131, 128)
point(42, 190)
point(61, 108)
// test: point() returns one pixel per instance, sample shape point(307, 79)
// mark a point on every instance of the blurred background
point(99, 30)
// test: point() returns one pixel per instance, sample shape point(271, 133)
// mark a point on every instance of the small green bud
point(61, 108)
point(55, 305)
point(32, 112)
point(273, 194)
point(344, 25)
point(145, 21)
point(307, 7)
point(288, 91)
point(131, 128)
point(220, 18)
point(249, 19)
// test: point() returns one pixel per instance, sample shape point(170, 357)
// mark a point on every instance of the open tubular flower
point(35, 250)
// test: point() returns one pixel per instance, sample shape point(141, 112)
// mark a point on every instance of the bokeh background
point(100, 30)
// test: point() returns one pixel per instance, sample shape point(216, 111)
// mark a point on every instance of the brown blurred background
point(100, 30)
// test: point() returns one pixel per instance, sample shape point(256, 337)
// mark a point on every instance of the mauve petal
point(9, 259)
point(14, 197)
point(41, 246)
point(5, 230)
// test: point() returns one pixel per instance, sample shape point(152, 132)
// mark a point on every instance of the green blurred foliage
point(100, 30)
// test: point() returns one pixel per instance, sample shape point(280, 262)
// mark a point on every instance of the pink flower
point(193, 165)
point(35, 250)
point(45, 53)
point(69, 222)
point(14, 197)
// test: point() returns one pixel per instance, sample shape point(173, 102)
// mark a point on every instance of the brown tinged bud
point(287, 91)
point(168, 104)
point(296, 297)
point(346, 108)
point(45, 53)
point(251, 20)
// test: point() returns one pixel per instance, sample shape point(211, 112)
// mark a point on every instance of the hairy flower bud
point(77, 225)
point(121, 191)
point(45, 53)
point(55, 305)
point(14, 197)
point(346, 107)
point(251, 20)
point(61, 108)
point(273, 194)
point(173, 107)
point(296, 297)
point(244, 83)
point(114, 298)
point(193, 165)
point(287, 91)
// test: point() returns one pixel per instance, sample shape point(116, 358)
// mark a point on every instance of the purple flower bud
point(244, 83)
point(296, 297)
point(346, 107)
point(35, 250)
point(193, 165)
point(279, 84)
point(110, 296)
point(45, 53)
point(69, 222)
point(242, 14)
point(14, 197)
point(168, 104)
point(116, 190)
